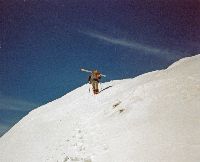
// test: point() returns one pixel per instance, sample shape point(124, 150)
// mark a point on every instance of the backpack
point(95, 76)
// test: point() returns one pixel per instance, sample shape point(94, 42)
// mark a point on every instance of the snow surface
point(154, 117)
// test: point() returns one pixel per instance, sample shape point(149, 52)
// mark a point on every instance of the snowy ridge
point(151, 118)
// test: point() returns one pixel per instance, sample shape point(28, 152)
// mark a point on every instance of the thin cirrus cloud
point(165, 54)
point(3, 128)
point(14, 109)
point(15, 104)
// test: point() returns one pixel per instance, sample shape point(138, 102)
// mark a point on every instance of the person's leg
point(96, 87)
point(93, 86)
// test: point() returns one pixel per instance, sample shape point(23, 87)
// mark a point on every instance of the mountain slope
point(153, 117)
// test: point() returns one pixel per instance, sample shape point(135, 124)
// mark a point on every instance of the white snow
point(154, 117)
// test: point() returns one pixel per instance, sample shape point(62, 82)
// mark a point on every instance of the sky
point(43, 45)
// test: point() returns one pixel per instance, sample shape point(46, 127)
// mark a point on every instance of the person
point(94, 79)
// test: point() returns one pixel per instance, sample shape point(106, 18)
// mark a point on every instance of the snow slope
point(154, 117)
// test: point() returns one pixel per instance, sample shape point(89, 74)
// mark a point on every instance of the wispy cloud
point(15, 104)
point(16, 108)
point(134, 45)
point(3, 128)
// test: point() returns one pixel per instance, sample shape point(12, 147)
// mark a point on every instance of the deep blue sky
point(43, 45)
